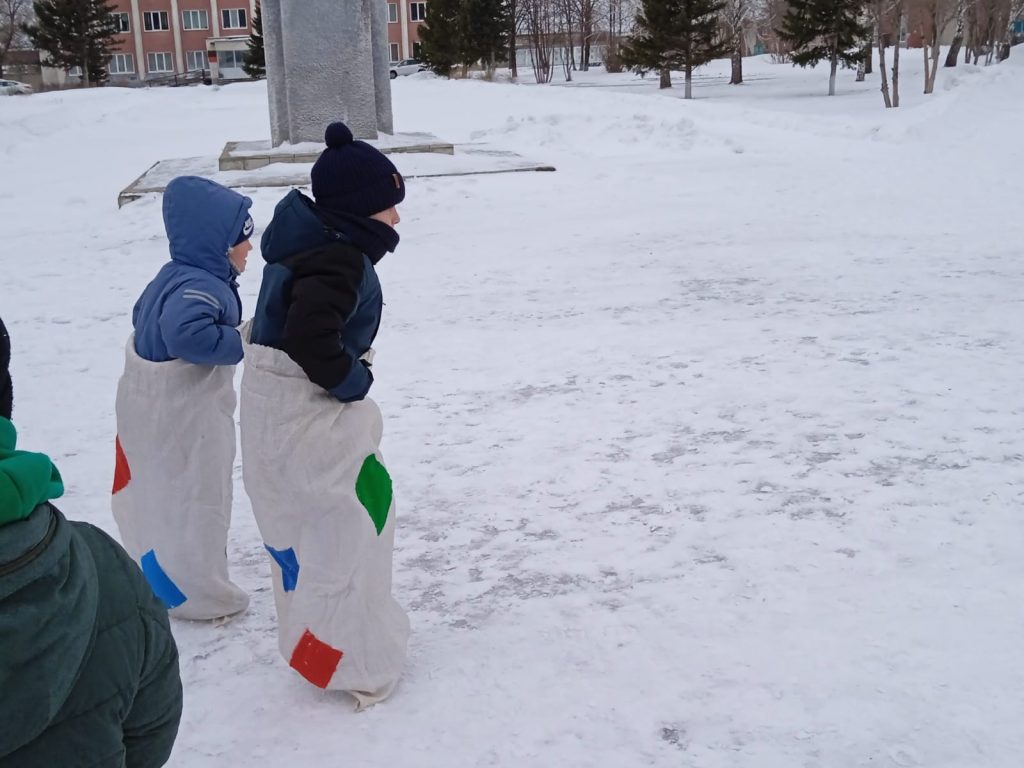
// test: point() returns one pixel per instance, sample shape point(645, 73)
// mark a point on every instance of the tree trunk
point(666, 78)
point(927, 79)
point(832, 73)
point(688, 92)
point(512, 48)
point(860, 71)
point(954, 50)
point(896, 59)
point(869, 55)
point(881, 66)
point(737, 63)
point(958, 37)
point(933, 70)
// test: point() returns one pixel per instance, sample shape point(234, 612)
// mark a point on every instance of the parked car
point(407, 67)
point(13, 88)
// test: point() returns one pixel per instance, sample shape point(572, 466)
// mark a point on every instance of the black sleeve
point(324, 294)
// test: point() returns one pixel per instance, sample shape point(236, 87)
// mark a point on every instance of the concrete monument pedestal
point(468, 160)
point(250, 155)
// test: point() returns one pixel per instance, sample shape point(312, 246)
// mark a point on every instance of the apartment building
point(404, 20)
point(163, 38)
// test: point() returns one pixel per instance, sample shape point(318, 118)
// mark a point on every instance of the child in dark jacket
point(175, 445)
point(88, 666)
point(311, 457)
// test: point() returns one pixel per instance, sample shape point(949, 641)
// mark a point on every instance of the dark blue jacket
point(191, 309)
point(320, 301)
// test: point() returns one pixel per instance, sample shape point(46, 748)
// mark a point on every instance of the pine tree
point(255, 65)
point(825, 30)
point(75, 33)
point(441, 36)
point(463, 32)
point(485, 32)
point(675, 34)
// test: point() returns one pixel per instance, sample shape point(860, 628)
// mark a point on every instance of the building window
point(394, 52)
point(122, 64)
point(392, 13)
point(418, 11)
point(416, 49)
point(153, 21)
point(197, 61)
point(230, 59)
point(234, 18)
point(122, 21)
point(195, 19)
point(160, 62)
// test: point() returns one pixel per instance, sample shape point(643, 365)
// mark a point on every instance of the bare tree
point(513, 15)
point(958, 36)
point(617, 17)
point(586, 18)
point(887, 18)
point(769, 19)
point(1014, 13)
point(989, 28)
point(737, 15)
point(540, 20)
point(899, 13)
point(931, 18)
point(13, 14)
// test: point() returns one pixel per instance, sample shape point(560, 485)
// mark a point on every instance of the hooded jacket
point(88, 667)
point(191, 309)
point(320, 300)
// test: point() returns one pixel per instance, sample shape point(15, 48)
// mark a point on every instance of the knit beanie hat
point(6, 388)
point(353, 177)
point(246, 232)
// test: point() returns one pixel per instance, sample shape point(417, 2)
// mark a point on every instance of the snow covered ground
point(708, 447)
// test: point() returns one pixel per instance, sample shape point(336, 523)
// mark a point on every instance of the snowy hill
point(708, 448)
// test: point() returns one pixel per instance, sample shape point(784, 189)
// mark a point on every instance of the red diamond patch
point(315, 660)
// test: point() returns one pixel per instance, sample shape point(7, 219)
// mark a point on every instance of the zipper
point(8, 568)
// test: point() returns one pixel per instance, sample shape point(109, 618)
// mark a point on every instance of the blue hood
point(295, 228)
point(203, 220)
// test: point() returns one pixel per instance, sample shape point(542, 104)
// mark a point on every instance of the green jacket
point(88, 665)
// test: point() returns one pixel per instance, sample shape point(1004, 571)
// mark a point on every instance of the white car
point(13, 88)
point(407, 67)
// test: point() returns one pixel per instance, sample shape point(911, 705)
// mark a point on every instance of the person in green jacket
point(88, 665)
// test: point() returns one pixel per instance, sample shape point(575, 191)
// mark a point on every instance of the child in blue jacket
point(175, 445)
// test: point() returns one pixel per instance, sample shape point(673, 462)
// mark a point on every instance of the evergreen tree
point(256, 57)
point(825, 30)
point(463, 32)
point(675, 34)
point(486, 31)
point(441, 36)
point(75, 33)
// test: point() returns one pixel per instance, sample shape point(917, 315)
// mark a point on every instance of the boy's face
point(238, 255)
point(389, 217)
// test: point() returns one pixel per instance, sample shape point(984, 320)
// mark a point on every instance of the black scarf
point(372, 237)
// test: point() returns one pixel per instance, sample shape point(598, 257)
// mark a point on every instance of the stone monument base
point(290, 166)
point(250, 155)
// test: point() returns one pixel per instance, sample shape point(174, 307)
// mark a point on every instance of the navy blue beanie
point(353, 177)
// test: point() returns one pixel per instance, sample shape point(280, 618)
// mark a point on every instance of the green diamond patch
point(373, 488)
